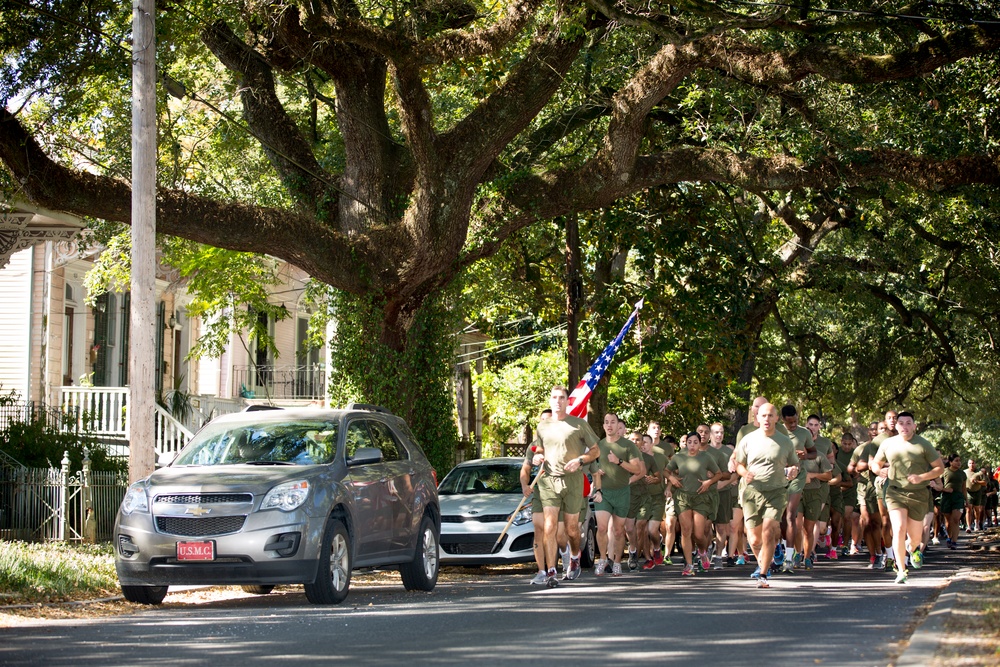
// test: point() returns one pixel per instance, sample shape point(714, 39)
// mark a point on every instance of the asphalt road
point(838, 614)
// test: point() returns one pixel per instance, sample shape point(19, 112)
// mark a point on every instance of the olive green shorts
point(797, 485)
point(867, 498)
point(951, 502)
point(837, 500)
point(914, 501)
point(636, 500)
point(763, 504)
point(653, 510)
point(725, 513)
point(977, 498)
point(565, 492)
point(614, 501)
point(713, 506)
point(698, 502)
point(812, 504)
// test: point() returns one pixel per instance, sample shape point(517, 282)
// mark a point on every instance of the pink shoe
point(832, 554)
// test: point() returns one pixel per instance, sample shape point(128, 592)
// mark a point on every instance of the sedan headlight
point(522, 517)
point(135, 499)
point(286, 497)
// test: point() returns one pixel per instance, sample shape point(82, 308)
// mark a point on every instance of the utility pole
point(142, 339)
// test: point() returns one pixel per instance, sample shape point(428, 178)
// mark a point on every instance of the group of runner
point(782, 495)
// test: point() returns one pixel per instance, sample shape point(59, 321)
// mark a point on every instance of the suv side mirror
point(365, 456)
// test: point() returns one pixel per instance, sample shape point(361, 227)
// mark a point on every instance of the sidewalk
point(963, 626)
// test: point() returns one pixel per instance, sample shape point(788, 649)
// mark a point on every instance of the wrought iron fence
point(281, 382)
point(55, 504)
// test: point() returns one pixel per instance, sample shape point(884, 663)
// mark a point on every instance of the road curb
point(926, 638)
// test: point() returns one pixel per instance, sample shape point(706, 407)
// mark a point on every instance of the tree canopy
point(752, 151)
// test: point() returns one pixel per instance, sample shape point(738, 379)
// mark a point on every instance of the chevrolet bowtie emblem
point(197, 511)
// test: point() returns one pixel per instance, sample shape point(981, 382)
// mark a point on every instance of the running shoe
point(599, 568)
point(539, 579)
point(649, 565)
point(551, 582)
point(756, 573)
point(871, 562)
point(935, 541)
point(666, 560)
point(901, 577)
point(762, 583)
point(688, 571)
point(658, 557)
point(952, 544)
point(880, 561)
point(832, 554)
point(854, 550)
point(574, 571)
point(788, 566)
point(633, 561)
point(890, 564)
point(740, 560)
point(616, 570)
point(730, 562)
point(808, 563)
point(796, 558)
point(717, 563)
point(917, 559)
point(705, 562)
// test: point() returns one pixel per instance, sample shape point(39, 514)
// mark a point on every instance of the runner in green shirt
point(618, 460)
point(766, 460)
point(953, 497)
point(566, 444)
point(910, 463)
point(692, 473)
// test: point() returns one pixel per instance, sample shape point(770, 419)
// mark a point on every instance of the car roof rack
point(368, 407)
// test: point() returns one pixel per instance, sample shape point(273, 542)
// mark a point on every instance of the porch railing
point(97, 410)
point(171, 435)
point(281, 382)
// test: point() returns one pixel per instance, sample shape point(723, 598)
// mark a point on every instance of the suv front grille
point(199, 527)
point(204, 498)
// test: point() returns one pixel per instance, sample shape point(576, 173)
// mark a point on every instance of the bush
point(35, 444)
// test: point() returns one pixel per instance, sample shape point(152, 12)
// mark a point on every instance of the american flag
point(581, 394)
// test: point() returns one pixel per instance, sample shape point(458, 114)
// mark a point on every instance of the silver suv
point(283, 497)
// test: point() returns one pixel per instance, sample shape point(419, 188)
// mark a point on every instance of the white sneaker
point(599, 568)
point(616, 570)
point(539, 579)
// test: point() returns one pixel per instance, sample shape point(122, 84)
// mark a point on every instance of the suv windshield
point(482, 478)
point(299, 442)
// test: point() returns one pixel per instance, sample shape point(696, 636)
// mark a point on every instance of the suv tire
point(144, 594)
point(421, 573)
point(333, 577)
point(588, 550)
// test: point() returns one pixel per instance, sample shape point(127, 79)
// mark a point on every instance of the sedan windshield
point(482, 478)
point(300, 442)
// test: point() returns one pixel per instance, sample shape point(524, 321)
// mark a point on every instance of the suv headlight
point(286, 497)
point(522, 517)
point(135, 499)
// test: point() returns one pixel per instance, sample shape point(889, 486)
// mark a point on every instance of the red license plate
point(196, 550)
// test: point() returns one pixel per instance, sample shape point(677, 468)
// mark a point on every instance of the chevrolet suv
point(274, 497)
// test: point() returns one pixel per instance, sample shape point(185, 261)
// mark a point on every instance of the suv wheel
point(334, 575)
point(144, 594)
point(257, 590)
point(421, 573)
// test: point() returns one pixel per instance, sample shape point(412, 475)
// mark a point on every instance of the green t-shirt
point(721, 459)
point(863, 453)
point(906, 458)
point(766, 457)
point(953, 480)
point(659, 464)
point(819, 464)
point(823, 445)
point(639, 486)
point(745, 430)
point(976, 480)
point(844, 457)
point(563, 440)
point(693, 470)
point(615, 476)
